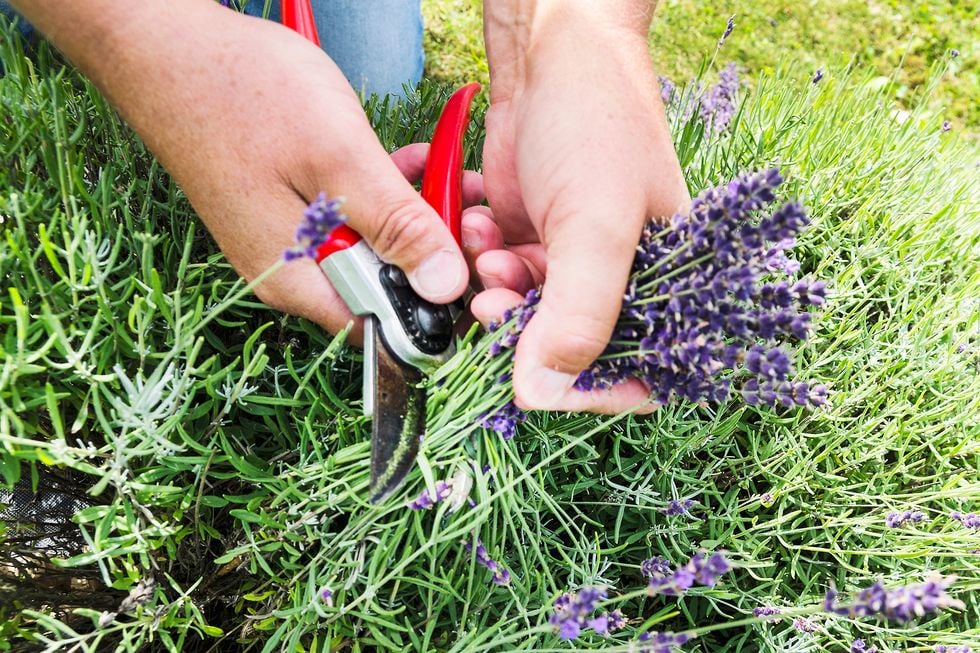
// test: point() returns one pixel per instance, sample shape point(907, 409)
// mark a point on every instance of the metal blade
point(398, 406)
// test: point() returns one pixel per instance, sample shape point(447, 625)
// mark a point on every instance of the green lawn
point(220, 450)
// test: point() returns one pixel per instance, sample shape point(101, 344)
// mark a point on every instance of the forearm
point(156, 62)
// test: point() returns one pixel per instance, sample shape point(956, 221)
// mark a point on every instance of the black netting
point(41, 520)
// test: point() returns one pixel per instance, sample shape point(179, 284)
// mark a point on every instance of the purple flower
point(968, 520)
point(897, 604)
point(728, 30)
point(899, 519)
point(702, 569)
point(654, 642)
point(817, 76)
point(504, 422)
point(667, 90)
point(947, 125)
point(697, 321)
point(573, 610)
point(804, 625)
point(326, 595)
point(655, 567)
point(858, 646)
point(426, 500)
point(677, 507)
point(500, 575)
point(954, 53)
point(320, 218)
point(765, 611)
point(942, 648)
point(718, 103)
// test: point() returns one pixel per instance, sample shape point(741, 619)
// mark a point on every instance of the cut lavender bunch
point(320, 218)
point(705, 313)
point(897, 604)
point(698, 306)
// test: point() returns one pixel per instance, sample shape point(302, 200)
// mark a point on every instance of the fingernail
point(545, 387)
point(471, 238)
point(438, 275)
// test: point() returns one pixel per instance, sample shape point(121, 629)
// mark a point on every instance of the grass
point(879, 35)
point(220, 450)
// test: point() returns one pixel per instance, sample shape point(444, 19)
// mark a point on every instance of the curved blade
point(398, 416)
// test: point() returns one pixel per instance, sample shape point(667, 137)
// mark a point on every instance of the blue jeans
point(377, 43)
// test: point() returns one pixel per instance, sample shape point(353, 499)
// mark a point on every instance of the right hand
point(253, 121)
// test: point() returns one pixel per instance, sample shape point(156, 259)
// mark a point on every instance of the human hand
point(577, 158)
point(253, 122)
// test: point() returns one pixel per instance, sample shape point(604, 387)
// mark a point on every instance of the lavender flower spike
point(765, 611)
point(702, 569)
point(320, 218)
point(897, 604)
point(728, 30)
point(858, 646)
point(817, 76)
point(572, 610)
point(969, 520)
point(654, 642)
point(500, 575)
point(899, 519)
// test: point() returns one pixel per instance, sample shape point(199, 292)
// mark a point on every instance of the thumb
point(580, 303)
point(400, 226)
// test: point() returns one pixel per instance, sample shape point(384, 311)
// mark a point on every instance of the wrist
point(522, 36)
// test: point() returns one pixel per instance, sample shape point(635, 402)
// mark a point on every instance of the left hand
point(577, 158)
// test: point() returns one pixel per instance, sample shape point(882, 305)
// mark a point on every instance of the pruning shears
point(405, 336)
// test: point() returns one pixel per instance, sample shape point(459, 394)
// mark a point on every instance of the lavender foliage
point(320, 218)
point(900, 604)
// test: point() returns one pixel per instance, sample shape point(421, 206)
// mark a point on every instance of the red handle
point(298, 15)
point(442, 181)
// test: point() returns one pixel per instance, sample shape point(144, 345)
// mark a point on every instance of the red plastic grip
point(298, 15)
point(442, 181)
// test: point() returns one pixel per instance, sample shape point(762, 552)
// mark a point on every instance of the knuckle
point(400, 231)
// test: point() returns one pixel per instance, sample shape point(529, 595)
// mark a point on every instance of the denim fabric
point(377, 43)
point(22, 25)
